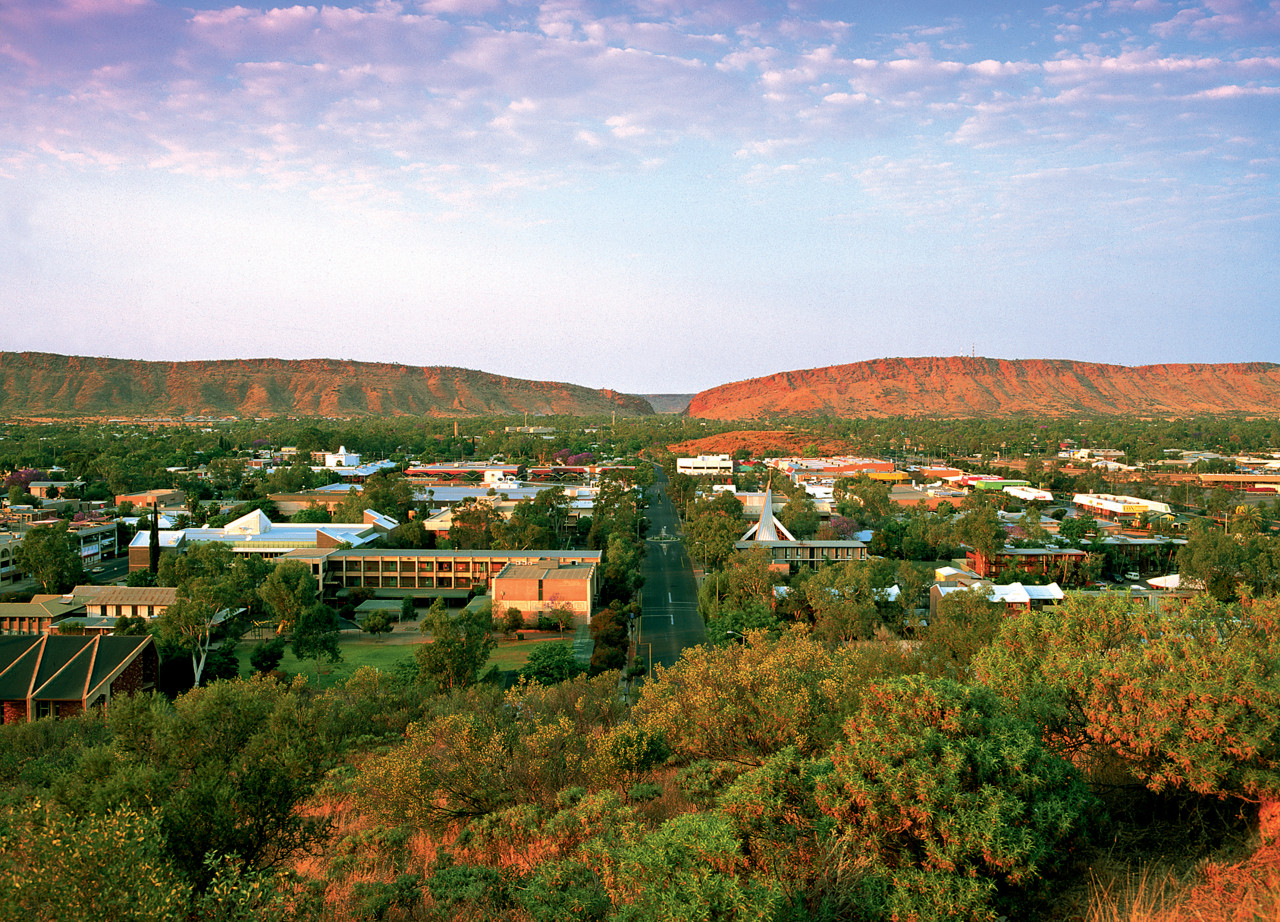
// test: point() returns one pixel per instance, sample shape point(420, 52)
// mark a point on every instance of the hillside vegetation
point(962, 386)
point(44, 384)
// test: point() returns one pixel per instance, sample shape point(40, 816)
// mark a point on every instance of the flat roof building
point(254, 533)
point(540, 586)
point(705, 466)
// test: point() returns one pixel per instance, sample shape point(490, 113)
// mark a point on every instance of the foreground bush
point(949, 805)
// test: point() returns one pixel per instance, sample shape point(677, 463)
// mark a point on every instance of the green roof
point(54, 667)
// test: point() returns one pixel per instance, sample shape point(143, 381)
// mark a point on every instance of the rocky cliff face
point(961, 386)
point(43, 384)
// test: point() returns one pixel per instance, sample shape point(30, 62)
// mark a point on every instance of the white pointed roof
point(253, 523)
point(768, 528)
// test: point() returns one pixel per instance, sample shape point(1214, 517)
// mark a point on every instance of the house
point(540, 586)
point(155, 499)
point(49, 675)
point(44, 613)
point(1014, 596)
point(128, 601)
point(9, 571)
point(1041, 560)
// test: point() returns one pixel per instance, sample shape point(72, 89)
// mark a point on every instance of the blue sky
point(656, 197)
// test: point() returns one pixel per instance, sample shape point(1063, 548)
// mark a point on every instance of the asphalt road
point(669, 619)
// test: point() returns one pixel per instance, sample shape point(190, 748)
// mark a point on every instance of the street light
point(736, 634)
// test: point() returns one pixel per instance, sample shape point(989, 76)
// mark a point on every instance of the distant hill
point(966, 387)
point(668, 403)
point(43, 384)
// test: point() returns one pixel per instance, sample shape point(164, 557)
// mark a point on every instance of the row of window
point(401, 565)
point(809, 553)
point(375, 581)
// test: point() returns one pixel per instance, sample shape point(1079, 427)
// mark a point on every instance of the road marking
point(669, 599)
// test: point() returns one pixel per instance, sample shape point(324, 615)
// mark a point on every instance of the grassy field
point(384, 651)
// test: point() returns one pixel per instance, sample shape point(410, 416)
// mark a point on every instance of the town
point(391, 583)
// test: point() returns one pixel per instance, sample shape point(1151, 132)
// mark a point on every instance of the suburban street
point(669, 619)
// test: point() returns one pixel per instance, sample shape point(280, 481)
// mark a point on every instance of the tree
point(376, 623)
point(714, 525)
point(289, 590)
point(352, 508)
point(609, 631)
point(459, 647)
point(315, 635)
point(743, 702)
point(474, 525)
point(552, 663)
point(213, 585)
point(189, 622)
point(226, 767)
point(313, 512)
point(537, 522)
point(622, 570)
point(266, 656)
point(153, 543)
point(849, 600)
point(52, 558)
point(1213, 559)
point(948, 803)
point(1078, 528)
point(800, 516)
point(512, 620)
point(1246, 520)
point(389, 493)
point(979, 528)
point(863, 499)
point(1185, 700)
point(965, 622)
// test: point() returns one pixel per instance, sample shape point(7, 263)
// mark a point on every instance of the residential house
point(50, 675)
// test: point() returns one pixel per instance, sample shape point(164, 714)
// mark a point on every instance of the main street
point(669, 619)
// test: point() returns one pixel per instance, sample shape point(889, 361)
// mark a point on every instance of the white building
point(1030, 494)
point(1118, 508)
point(254, 533)
point(341, 458)
point(705, 466)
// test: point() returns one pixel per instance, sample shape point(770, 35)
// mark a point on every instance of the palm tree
point(1247, 519)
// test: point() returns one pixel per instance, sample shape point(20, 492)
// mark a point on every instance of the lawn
point(383, 652)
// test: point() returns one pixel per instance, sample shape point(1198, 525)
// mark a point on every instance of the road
point(669, 619)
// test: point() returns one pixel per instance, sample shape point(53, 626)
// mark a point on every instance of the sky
point(657, 196)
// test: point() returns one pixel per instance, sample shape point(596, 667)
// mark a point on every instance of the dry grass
point(1243, 891)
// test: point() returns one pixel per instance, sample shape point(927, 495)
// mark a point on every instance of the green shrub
point(266, 655)
point(949, 800)
point(375, 899)
point(640, 793)
point(703, 781)
point(559, 890)
point(477, 888)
